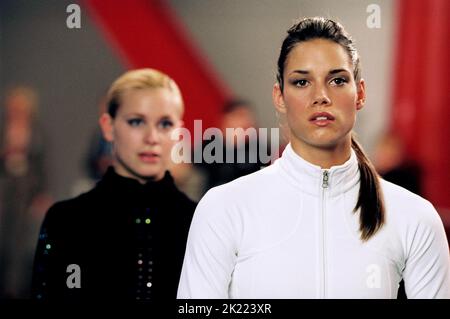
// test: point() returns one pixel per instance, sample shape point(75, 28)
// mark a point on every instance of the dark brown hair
point(370, 199)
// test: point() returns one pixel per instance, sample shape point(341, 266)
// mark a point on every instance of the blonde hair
point(137, 80)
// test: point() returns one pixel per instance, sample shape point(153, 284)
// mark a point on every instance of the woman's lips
point(149, 157)
point(322, 118)
point(322, 122)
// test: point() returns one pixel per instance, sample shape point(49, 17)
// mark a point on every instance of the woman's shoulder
point(243, 191)
point(406, 207)
point(72, 209)
point(401, 196)
point(251, 182)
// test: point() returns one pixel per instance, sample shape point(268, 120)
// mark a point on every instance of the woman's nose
point(321, 97)
point(151, 136)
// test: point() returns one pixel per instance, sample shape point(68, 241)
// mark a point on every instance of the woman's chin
point(153, 172)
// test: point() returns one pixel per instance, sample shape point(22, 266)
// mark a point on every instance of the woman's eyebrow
point(135, 114)
point(334, 71)
point(300, 71)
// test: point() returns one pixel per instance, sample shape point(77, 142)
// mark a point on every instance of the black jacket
point(126, 240)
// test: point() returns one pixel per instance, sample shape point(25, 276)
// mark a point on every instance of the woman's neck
point(325, 157)
point(124, 171)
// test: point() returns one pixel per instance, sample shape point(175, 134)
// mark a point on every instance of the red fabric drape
point(421, 104)
point(146, 34)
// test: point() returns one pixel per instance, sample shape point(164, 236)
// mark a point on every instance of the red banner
point(146, 34)
point(421, 105)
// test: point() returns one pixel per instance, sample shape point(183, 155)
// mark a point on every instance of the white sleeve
point(427, 270)
point(211, 250)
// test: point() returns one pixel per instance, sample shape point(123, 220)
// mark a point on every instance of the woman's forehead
point(317, 54)
point(151, 102)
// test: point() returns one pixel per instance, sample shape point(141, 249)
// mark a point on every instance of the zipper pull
point(325, 179)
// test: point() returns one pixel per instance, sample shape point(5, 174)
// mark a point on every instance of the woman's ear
point(278, 99)
point(361, 94)
point(106, 124)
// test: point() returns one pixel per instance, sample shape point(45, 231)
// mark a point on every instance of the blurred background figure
point(95, 164)
point(190, 179)
point(23, 199)
point(96, 160)
point(393, 164)
point(237, 113)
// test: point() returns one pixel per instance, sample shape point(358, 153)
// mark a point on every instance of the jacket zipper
point(325, 180)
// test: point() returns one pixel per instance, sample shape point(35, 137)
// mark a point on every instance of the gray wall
point(241, 38)
point(71, 69)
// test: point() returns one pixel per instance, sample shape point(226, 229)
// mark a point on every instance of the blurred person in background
point(392, 164)
point(189, 178)
point(23, 196)
point(125, 238)
point(97, 159)
point(236, 114)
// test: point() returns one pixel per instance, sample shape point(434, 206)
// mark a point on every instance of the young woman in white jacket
point(319, 222)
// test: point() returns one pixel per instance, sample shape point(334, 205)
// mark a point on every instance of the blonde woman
point(125, 238)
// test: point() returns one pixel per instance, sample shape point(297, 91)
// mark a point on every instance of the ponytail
point(370, 198)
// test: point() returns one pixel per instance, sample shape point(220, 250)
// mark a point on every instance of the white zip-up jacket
point(289, 231)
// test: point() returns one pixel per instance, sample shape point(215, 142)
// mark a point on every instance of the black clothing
point(407, 175)
point(225, 171)
point(128, 240)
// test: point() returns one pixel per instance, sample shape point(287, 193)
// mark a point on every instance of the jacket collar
point(130, 186)
point(309, 177)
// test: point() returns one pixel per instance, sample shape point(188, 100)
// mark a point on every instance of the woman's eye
point(300, 83)
point(339, 81)
point(165, 124)
point(135, 122)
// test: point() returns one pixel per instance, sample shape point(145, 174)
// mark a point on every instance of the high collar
point(129, 186)
point(309, 177)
